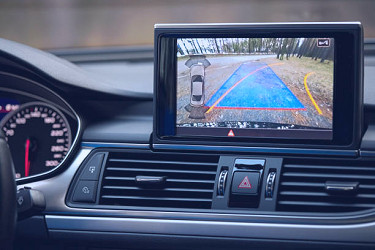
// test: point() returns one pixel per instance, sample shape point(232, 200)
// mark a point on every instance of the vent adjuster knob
point(222, 182)
point(270, 184)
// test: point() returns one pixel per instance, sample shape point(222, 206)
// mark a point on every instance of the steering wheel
point(8, 206)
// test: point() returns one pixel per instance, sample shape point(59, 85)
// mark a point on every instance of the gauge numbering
point(39, 138)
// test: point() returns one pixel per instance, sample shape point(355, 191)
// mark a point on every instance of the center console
point(267, 95)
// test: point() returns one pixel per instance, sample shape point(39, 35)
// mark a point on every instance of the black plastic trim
point(262, 150)
point(160, 241)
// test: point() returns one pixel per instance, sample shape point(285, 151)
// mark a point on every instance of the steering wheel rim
point(8, 206)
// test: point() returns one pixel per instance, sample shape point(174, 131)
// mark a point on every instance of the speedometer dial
point(39, 138)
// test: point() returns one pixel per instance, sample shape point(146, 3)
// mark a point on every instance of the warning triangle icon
point(245, 183)
point(230, 133)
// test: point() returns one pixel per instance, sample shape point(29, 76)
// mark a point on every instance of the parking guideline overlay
point(261, 90)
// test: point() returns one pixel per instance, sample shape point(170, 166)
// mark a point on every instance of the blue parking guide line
point(261, 90)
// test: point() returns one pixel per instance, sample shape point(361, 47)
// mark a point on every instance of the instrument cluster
point(41, 129)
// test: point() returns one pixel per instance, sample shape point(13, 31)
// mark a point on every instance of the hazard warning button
point(245, 183)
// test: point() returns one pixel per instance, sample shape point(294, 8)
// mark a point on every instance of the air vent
point(177, 180)
point(327, 189)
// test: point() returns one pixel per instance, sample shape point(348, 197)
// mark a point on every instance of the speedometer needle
point(27, 161)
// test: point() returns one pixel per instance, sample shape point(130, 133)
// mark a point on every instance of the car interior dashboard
point(222, 136)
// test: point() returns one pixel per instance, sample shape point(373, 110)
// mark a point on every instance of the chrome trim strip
point(114, 145)
point(339, 233)
point(366, 153)
point(237, 25)
point(320, 152)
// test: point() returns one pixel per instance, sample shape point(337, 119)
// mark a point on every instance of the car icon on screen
point(197, 85)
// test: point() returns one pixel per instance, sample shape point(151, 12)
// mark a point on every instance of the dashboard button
point(85, 191)
point(245, 183)
point(92, 168)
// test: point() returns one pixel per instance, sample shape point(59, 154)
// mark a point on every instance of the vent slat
point(189, 180)
point(321, 194)
point(302, 188)
point(328, 176)
point(159, 170)
point(364, 186)
point(154, 198)
point(156, 190)
point(302, 184)
point(325, 204)
point(329, 168)
point(163, 162)
point(120, 178)
point(318, 185)
point(169, 180)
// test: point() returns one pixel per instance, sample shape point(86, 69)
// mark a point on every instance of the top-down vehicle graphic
point(197, 85)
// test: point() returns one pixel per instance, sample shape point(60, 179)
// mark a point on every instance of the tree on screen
point(282, 48)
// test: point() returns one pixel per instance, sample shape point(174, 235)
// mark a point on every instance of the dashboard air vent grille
point(182, 180)
point(306, 188)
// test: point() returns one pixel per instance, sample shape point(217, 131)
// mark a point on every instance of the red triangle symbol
point(245, 183)
point(230, 133)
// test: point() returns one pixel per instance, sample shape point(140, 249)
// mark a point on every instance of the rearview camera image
point(255, 83)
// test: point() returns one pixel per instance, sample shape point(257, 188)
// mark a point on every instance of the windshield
point(52, 24)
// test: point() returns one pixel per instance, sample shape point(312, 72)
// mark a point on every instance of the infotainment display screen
point(279, 87)
point(290, 85)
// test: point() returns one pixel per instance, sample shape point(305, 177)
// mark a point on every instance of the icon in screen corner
point(323, 42)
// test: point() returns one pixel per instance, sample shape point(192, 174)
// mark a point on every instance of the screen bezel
point(347, 106)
